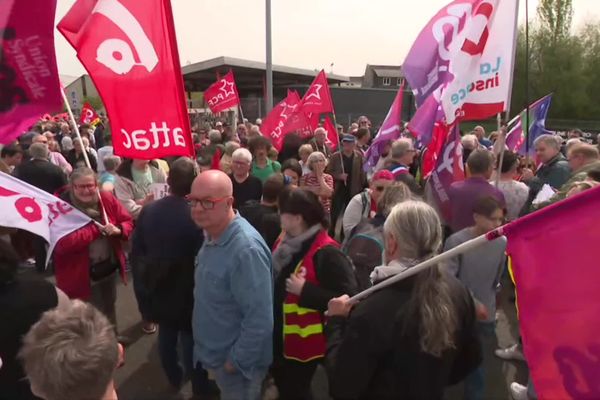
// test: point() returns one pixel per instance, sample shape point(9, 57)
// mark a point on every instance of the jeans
point(168, 339)
point(236, 386)
point(475, 382)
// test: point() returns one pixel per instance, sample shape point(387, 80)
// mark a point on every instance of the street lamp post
point(269, 71)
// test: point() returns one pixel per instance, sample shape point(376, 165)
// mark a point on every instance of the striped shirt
point(311, 180)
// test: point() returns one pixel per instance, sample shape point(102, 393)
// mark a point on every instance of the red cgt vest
point(303, 338)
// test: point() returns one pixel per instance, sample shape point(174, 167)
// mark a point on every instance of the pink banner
point(29, 84)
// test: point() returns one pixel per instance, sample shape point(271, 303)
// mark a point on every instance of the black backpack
point(365, 249)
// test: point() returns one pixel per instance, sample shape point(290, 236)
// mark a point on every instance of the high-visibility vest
point(303, 338)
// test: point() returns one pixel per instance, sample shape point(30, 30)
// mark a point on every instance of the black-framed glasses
point(206, 204)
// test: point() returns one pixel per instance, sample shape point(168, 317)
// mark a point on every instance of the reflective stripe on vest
point(303, 338)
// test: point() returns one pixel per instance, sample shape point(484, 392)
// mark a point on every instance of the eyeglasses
point(206, 204)
point(88, 186)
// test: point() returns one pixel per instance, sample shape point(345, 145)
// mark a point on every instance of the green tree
point(556, 17)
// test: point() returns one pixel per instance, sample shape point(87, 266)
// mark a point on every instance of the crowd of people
point(244, 270)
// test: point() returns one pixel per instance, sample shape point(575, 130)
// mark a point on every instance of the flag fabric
point(29, 208)
point(433, 150)
point(464, 59)
point(130, 51)
point(275, 125)
point(29, 83)
point(88, 115)
point(557, 279)
point(297, 120)
point(317, 98)
point(449, 168)
point(538, 111)
point(390, 130)
point(223, 94)
point(332, 138)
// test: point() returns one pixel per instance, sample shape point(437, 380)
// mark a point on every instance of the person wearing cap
point(346, 167)
point(364, 205)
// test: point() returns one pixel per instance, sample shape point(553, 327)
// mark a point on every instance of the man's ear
point(121, 359)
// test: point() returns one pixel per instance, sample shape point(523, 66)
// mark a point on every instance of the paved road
point(141, 378)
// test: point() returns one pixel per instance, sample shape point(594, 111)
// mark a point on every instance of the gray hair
point(396, 193)
point(111, 163)
point(549, 140)
point(320, 130)
point(417, 231)
point(400, 147)
point(70, 353)
point(242, 154)
point(305, 149)
point(39, 151)
point(469, 142)
point(314, 157)
point(80, 173)
point(214, 136)
point(230, 147)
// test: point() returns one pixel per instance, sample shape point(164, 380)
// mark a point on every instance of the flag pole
point(460, 249)
point(502, 140)
point(85, 155)
point(527, 82)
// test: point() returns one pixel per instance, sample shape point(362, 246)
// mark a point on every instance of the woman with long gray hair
point(412, 338)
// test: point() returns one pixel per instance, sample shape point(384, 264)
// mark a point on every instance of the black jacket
point(78, 161)
point(265, 219)
point(335, 275)
point(375, 353)
point(42, 174)
point(164, 246)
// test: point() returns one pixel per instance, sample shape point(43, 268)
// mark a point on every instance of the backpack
point(365, 249)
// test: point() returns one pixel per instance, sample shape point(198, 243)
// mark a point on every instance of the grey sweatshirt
point(479, 269)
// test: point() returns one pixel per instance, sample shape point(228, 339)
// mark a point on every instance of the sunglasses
point(206, 204)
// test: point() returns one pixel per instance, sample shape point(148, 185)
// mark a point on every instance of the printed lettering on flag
point(29, 83)
point(27, 207)
point(332, 138)
point(275, 124)
point(130, 51)
point(464, 58)
point(222, 95)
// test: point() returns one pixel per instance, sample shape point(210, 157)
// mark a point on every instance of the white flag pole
point(460, 249)
point(85, 155)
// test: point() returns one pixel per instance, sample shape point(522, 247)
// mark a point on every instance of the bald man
point(233, 302)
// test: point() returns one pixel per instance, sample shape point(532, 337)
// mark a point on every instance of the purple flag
point(538, 111)
point(390, 130)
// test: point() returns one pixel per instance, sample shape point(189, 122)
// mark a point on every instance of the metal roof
point(388, 72)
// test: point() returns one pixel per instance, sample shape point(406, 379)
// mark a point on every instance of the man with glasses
point(233, 300)
point(402, 155)
point(246, 187)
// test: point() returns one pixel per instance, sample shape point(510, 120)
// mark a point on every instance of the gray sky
point(306, 34)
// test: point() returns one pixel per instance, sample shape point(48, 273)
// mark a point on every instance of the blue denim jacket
point(233, 300)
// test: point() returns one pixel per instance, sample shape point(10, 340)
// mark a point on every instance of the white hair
point(314, 157)
point(400, 147)
point(214, 136)
point(320, 130)
point(550, 140)
point(242, 154)
point(469, 142)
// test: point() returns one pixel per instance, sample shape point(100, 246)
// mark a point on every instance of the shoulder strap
point(364, 199)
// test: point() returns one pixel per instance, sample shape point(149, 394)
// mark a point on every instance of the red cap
point(383, 175)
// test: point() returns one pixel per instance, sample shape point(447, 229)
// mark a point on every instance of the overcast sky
point(307, 34)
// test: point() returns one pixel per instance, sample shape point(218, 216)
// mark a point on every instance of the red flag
point(216, 159)
point(130, 51)
point(333, 139)
point(29, 84)
point(317, 98)
point(555, 267)
point(88, 115)
point(297, 121)
point(275, 125)
point(434, 148)
point(222, 94)
point(448, 169)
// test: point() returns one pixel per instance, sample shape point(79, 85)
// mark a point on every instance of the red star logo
point(316, 93)
point(227, 88)
point(287, 107)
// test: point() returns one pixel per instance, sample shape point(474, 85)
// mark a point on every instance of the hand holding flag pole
point(85, 155)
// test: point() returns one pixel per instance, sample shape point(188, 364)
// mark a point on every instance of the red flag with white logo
point(130, 51)
point(88, 115)
point(222, 94)
point(29, 208)
point(333, 139)
point(29, 84)
point(277, 123)
point(317, 98)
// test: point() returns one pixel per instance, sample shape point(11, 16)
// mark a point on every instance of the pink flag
point(29, 84)
point(555, 266)
point(390, 130)
point(27, 207)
